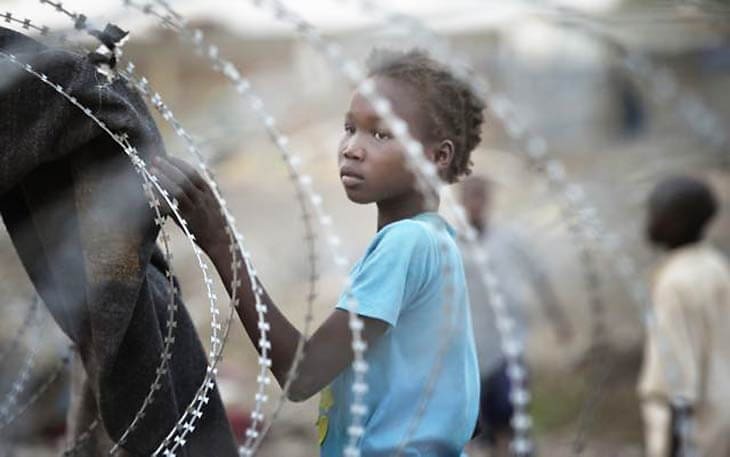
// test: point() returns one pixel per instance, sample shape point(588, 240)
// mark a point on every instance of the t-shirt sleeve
point(396, 266)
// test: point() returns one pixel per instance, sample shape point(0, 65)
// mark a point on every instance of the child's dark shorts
point(495, 408)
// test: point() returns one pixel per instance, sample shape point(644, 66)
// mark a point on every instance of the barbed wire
point(111, 39)
point(624, 263)
point(20, 382)
point(82, 439)
point(28, 322)
point(25, 23)
point(11, 417)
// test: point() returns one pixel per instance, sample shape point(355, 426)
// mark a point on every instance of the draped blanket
point(84, 232)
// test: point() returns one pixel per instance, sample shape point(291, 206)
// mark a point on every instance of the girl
point(398, 284)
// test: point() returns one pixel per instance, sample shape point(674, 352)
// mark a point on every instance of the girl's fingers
point(173, 189)
point(190, 172)
point(177, 176)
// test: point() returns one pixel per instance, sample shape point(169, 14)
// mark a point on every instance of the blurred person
point(524, 284)
point(686, 367)
point(630, 105)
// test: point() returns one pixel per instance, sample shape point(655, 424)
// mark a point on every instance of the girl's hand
point(328, 349)
point(196, 202)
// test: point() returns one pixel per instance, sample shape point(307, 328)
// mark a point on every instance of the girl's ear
point(443, 156)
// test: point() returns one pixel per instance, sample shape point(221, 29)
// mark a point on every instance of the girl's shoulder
point(416, 231)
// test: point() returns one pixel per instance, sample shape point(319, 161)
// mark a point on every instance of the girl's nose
point(353, 150)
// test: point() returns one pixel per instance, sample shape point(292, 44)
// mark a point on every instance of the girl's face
point(371, 161)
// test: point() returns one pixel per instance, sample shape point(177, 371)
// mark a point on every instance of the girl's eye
point(381, 136)
point(349, 128)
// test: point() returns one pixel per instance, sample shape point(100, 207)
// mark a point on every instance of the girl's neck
point(404, 207)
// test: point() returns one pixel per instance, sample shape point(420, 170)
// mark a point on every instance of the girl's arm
point(327, 352)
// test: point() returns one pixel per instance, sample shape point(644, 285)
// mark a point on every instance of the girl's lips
point(349, 176)
point(351, 180)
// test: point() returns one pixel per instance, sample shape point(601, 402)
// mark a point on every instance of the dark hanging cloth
point(82, 227)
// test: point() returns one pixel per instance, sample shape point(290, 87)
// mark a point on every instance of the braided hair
point(454, 110)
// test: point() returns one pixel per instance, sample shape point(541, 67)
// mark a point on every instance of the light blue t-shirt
point(401, 280)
